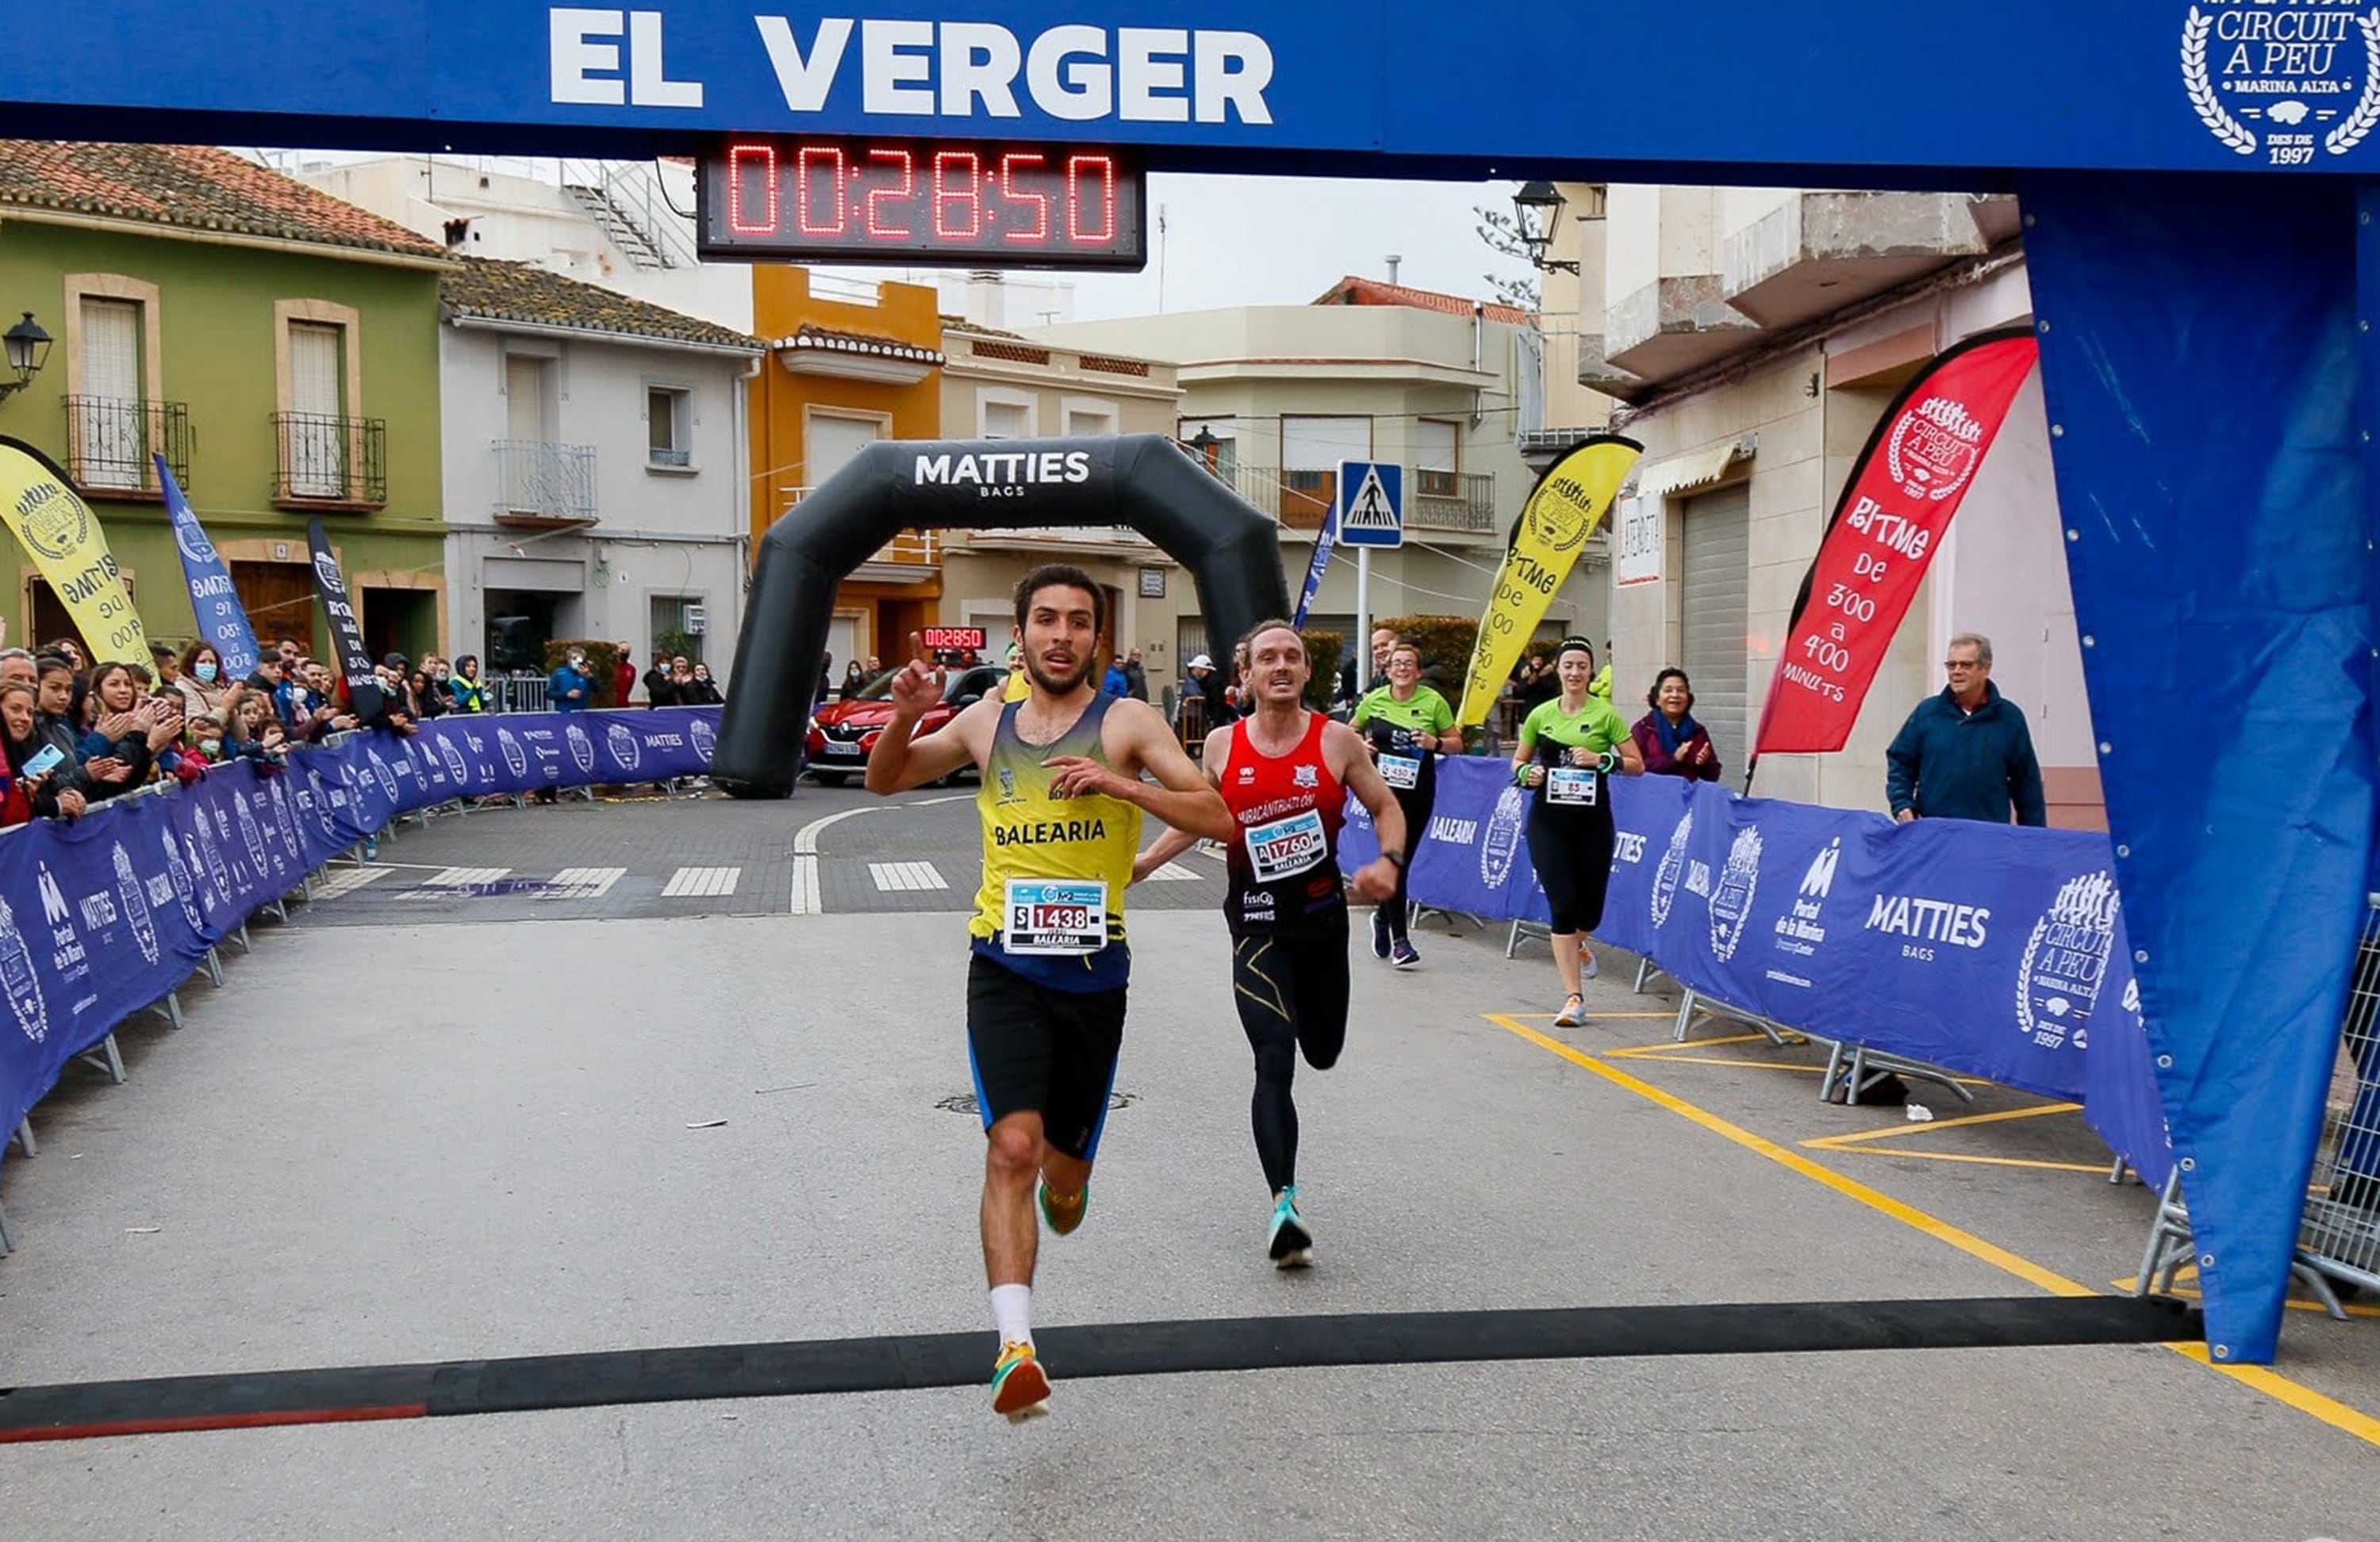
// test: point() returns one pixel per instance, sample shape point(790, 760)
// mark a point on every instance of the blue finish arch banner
point(2223, 585)
point(2206, 85)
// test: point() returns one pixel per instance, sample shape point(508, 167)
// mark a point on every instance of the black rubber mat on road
point(91, 1409)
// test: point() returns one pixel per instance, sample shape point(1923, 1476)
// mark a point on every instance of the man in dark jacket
point(1965, 753)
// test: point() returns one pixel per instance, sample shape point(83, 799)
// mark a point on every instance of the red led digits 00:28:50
point(922, 201)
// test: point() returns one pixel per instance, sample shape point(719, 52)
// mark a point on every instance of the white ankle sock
point(1011, 1310)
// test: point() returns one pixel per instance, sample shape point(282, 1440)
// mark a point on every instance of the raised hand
point(917, 685)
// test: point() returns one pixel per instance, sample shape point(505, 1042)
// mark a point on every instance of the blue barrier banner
point(1989, 950)
point(105, 915)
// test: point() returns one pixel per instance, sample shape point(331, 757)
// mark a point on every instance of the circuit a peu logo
point(1730, 903)
point(1673, 863)
point(17, 978)
point(1503, 840)
point(2065, 962)
point(2282, 83)
point(623, 743)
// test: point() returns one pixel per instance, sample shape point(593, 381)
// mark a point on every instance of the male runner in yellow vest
point(1062, 795)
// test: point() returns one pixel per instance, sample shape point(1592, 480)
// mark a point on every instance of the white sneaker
point(1572, 1013)
point(1587, 968)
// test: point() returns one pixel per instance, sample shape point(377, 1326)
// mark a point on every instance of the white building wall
point(661, 531)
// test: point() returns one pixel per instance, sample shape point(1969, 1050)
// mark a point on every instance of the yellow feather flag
point(1561, 512)
point(51, 521)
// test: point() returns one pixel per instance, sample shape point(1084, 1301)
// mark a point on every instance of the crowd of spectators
point(76, 733)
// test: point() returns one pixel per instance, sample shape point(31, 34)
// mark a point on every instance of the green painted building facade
point(279, 347)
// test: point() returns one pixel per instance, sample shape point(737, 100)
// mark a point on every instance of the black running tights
point(1292, 992)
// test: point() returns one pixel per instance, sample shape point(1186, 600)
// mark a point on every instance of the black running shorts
point(1039, 1051)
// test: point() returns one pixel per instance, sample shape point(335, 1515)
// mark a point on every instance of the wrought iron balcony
point(538, 480)
point(1453, 501)
point(327, 459)
point(110, 439)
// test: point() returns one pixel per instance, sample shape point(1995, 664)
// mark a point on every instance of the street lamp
point(28, 348)
point(1204, 444)
point(1537, 214)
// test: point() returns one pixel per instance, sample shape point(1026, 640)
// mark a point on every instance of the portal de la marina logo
point(2285, 81)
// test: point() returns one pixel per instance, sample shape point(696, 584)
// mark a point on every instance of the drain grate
point(964, 1102)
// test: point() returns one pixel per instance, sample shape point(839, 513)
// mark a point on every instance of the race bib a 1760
point(1055, 916)
point(1286, 847)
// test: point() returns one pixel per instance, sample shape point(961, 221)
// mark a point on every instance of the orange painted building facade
point(848, 364)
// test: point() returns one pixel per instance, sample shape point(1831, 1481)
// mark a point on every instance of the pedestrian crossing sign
point(1371, 503)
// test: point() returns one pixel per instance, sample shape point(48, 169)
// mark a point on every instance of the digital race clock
point(922, 201)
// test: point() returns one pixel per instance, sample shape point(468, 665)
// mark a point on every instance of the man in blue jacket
point(571, 688)
point(1965, 753)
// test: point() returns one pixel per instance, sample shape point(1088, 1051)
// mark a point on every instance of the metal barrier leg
point(1685, 1015)
point(25, 1137)
point(105, 1058)
point(239, 934)
point(1646, 970)
point(7, 1243)
point(213, 965)
point(2118, 1172)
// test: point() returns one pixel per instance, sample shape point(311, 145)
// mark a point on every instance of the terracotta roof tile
point(813, 338)
point(484, 289)
point(1352, 290)
point(190, 187)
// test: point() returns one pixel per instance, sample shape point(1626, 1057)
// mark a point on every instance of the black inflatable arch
point(1143, 480)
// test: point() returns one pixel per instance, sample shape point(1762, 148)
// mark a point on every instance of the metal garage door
point(1716, 559)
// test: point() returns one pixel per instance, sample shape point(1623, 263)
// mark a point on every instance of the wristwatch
point(1396, 858)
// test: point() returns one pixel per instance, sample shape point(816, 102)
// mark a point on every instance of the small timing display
point(920, 202)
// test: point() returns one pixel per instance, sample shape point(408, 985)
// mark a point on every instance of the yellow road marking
point(1845, 1143)
point(1604, 1016)
point(1714, 1060)
point(1966, 1242)
point(2305, 1399)
point(1831, 1142)
point(2298, 1395)
point(2191, 1293)
point(1670, 1046)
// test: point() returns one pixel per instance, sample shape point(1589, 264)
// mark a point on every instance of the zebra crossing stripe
point(347, 880)
point(905, 877)
point(701, 883)
point(583, 883)
point(463, 877)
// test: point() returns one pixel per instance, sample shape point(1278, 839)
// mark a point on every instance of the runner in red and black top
point(1284, 774)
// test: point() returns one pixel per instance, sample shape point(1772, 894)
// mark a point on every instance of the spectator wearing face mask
point(200, 680)
point(660, 688)
point(701, 689)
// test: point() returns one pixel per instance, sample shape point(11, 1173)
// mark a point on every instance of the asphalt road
point(483, 1122)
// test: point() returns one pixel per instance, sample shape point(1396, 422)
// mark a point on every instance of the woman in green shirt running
point(1567, 748)
point(1407, 724)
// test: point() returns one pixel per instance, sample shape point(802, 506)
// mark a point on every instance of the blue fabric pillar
point(2199, 363)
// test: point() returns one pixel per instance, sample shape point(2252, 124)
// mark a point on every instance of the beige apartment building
point(1752, 339)
point(1276, 396)
point(997, 385)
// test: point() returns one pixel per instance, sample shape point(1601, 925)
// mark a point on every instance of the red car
point(844, 729)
